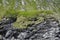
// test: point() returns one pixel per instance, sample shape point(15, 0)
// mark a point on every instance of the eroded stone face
point(47, 30)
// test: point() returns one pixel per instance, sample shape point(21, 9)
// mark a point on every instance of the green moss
point(31, 11)
point(34, 13)
point(11, 13)
point(22, 19)
point(23, 16)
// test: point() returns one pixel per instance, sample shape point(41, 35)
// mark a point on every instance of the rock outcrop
point(47, 30)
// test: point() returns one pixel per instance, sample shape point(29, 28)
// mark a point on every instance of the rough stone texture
point(47, 30)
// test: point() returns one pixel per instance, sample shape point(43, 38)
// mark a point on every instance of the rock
point(47, 30)
point(1, 37)
point(9, 33)
point(12, 38)
point(4, 38)
point(22, 35)
point(58, 35)
point(8, 20)
point(51, 33)
point(15, 34)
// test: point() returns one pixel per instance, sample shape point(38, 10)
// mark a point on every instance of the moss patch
point(24, 18)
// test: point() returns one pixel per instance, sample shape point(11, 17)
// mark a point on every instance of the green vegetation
point(24, 17)
point(28, 9)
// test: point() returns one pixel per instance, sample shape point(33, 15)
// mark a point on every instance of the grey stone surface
point(47, 30)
